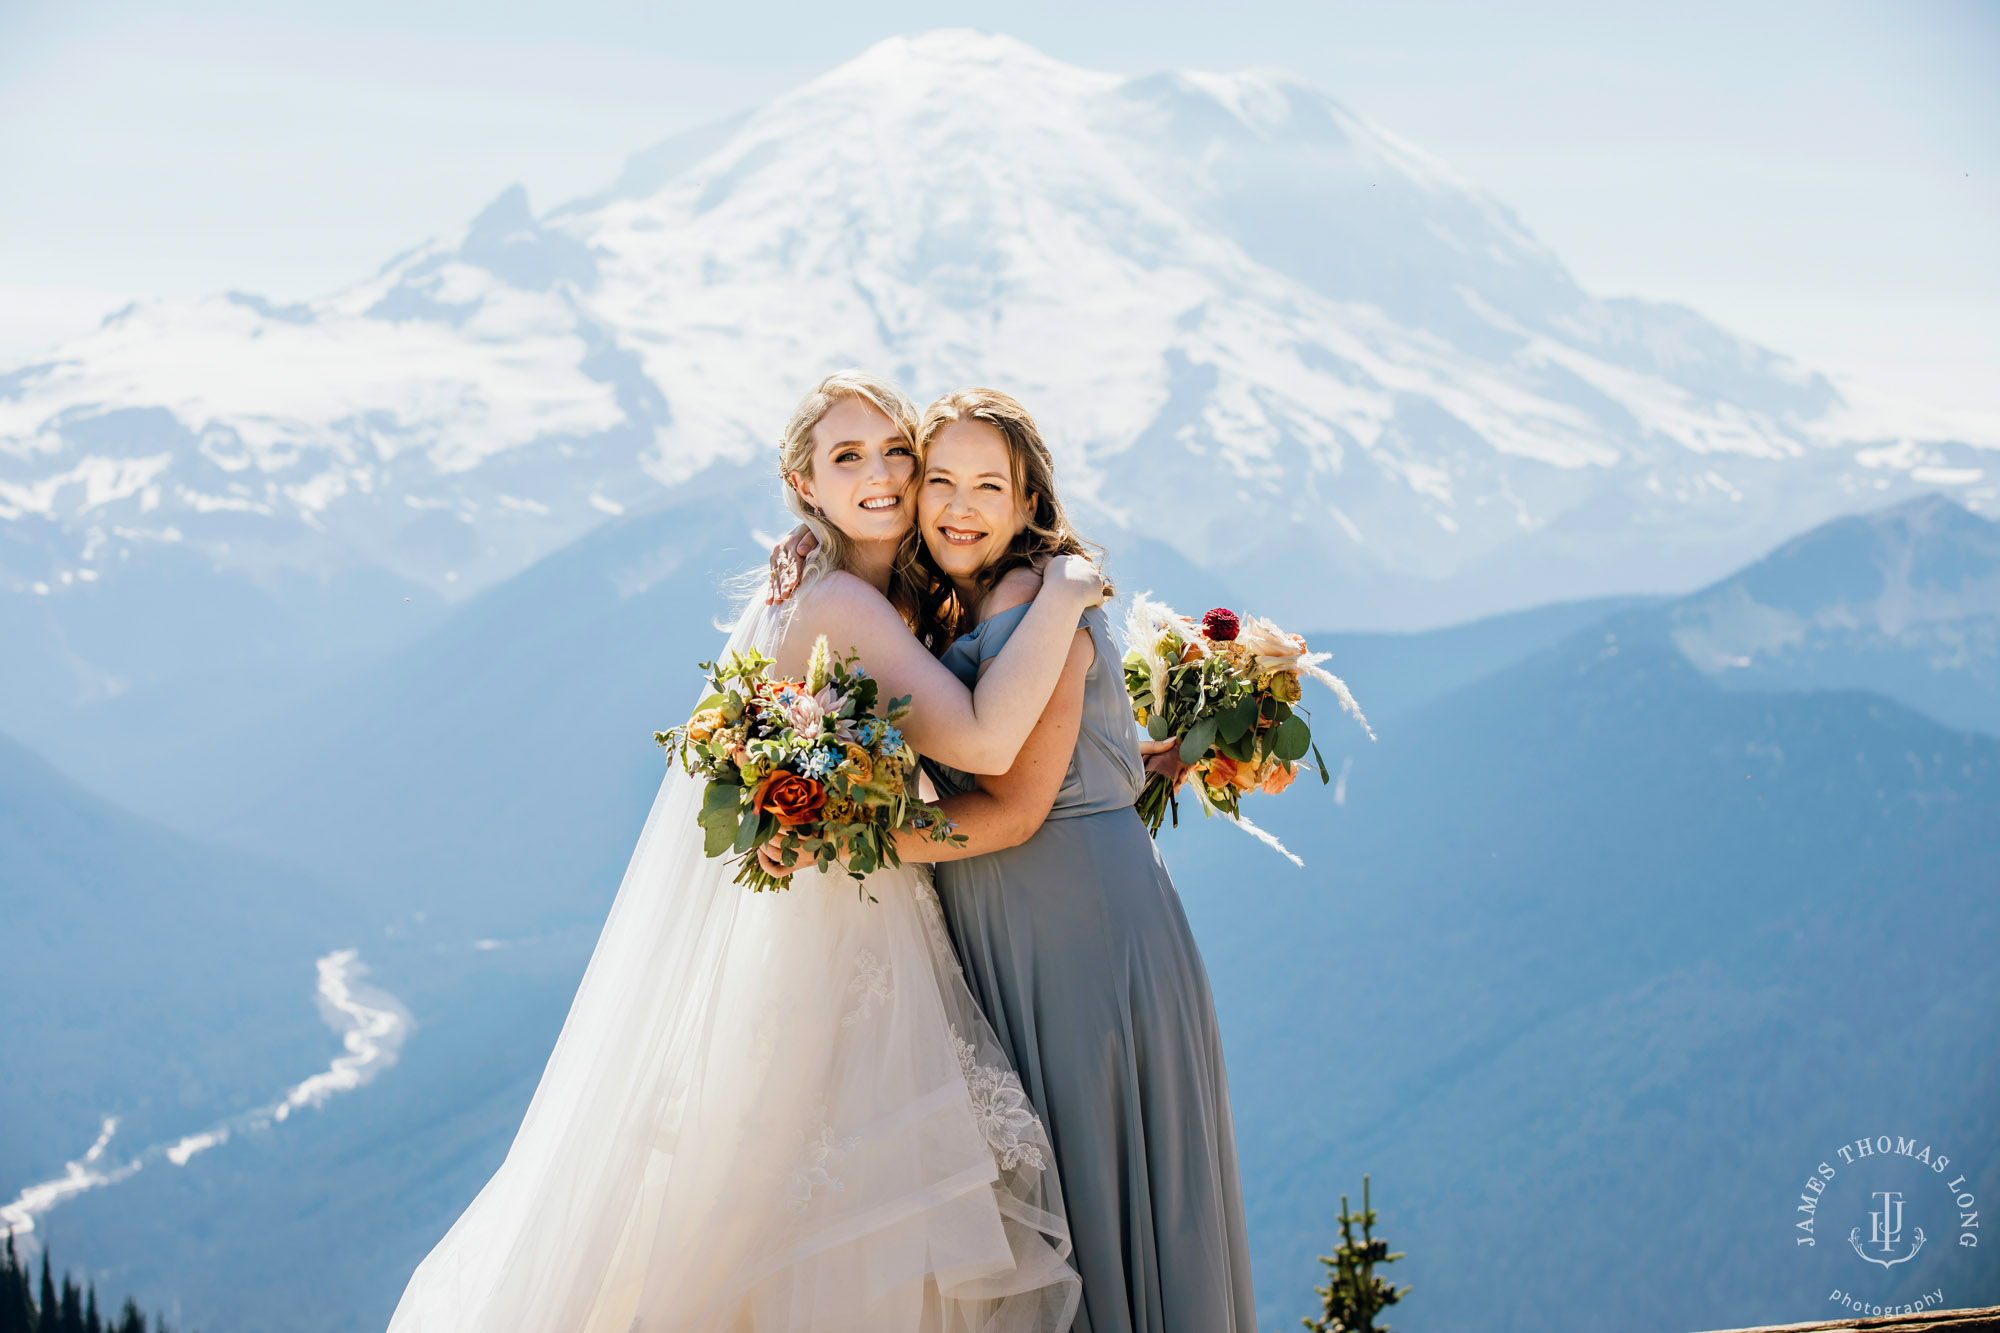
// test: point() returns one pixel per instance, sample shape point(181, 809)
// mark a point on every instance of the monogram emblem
point(1885, 1231)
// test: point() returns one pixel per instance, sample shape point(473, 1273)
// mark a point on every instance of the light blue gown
point(1076, 946)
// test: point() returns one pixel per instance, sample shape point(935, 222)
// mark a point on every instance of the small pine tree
point(130, 1319)
point(48, 1318)
point(72, 1306)
point(91, 1322)
point(1353, 1295)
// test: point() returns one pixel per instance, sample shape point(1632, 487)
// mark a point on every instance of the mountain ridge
point(1257, 327)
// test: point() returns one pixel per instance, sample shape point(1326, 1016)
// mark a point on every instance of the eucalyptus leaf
point(1291, 739)
point(1156, 727)
point(747, 833)
point(1238, 720)
point(1198, 740)
point(718, 802)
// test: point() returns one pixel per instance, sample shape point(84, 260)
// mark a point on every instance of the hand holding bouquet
point(806, 762)
point(1229, 692)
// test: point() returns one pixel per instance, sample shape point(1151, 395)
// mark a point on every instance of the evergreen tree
point(130, 1320)
point(17, 1297)
point(49, 1314)
point(1353, 1294)
point(72, 1305)
point(91, 1323)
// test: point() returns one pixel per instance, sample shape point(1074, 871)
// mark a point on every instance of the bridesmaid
point(1068, 925)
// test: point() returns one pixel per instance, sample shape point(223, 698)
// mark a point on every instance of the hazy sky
point(1824, 177)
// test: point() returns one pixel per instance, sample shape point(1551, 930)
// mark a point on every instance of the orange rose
point(1226, 772)
point(1278, 775)
point(794, 800)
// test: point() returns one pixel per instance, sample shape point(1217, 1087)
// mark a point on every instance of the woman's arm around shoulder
point(1006, 810)
point(976, 731)
point(1015, 588)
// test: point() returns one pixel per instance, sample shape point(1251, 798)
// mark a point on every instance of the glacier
point(1257, 328)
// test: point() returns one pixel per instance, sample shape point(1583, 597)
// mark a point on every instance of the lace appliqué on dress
point(932, 915)
point(1000, 1106)
point(872, 985)
point(811, 1175)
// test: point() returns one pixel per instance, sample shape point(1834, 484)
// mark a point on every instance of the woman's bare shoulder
point(839, 593)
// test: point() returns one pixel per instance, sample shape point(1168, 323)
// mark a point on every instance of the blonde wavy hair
point(939, 612)
point(795, 457)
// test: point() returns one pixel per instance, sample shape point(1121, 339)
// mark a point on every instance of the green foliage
point(1353, 1295)
point(73, 1309)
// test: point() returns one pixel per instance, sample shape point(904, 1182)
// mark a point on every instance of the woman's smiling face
point(861, 472)
point(968, 507)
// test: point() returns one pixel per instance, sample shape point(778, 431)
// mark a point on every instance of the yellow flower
point(1285, 686)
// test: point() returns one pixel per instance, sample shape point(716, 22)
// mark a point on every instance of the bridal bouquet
point(807, 762)
point(1229, 688)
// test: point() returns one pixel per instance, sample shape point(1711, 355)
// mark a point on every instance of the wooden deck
point(1958, 1321)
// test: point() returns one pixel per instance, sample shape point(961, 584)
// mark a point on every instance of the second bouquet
point(810, 763)
point(1228, 688)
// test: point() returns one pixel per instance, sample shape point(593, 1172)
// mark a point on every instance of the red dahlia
point(1220, 625)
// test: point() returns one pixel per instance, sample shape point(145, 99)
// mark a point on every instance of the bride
point(784, 1111)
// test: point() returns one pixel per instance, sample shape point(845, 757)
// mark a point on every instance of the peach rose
point(793, 799)
point(1278, 775)
point(703, 725)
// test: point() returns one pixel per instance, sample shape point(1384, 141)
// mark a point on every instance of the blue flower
point(892, 739)
point(859, 673)
point(868, 730)
point(820, 763)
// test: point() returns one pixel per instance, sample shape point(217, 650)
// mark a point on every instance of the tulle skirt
point(775, 1112)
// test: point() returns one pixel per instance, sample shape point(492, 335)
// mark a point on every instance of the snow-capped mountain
point(1256, 327)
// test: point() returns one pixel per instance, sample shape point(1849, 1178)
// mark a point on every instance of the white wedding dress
point(766, 1112)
